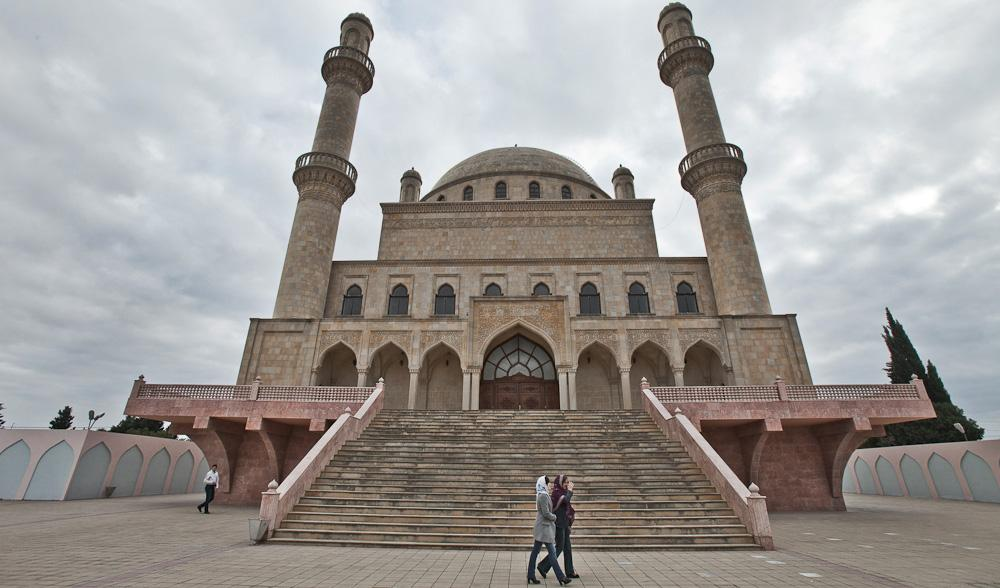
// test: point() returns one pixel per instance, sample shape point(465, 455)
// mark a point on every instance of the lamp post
point(961, 430)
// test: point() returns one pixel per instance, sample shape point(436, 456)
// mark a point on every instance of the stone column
point(466, 389)
point(474, 394)
point(324, 177)
point(362, 378)
point(678, 376)
point(572, 389)
point(713, 169)
point(626, 388)
point(414, 380)
point(563, 390)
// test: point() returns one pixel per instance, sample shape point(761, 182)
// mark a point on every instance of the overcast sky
point(146, 151)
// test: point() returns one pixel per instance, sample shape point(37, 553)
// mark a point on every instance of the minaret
point(409, 186)
point(713, 169)
point(624, 183)
point(325, 177)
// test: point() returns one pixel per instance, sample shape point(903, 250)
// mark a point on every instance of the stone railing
point(327, 160)
point(679, 45)
point(780, 391)
point(707, 153)
point(279, 499)
point(255, 392)
point(352, 53)
point(747, 502)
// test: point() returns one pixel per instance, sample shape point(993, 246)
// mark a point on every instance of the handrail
point(709, 152)
point(328, 160)
point(253, 392)
point(690, 42)
point(343, 51)
point(779, 391)
point(279, 499)
point(747, 503)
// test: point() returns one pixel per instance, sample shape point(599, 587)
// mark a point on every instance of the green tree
point(63, 420)
point(2, 422)
point(141, 426)
point(904, 363)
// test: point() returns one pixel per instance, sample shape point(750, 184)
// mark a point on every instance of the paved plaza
point(163, 541)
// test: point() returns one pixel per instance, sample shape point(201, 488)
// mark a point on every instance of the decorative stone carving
point(608, 337)
point(400, 338)
point(637, 337)
point(491, 316)
point(478, 222)
point(328, 339)
point(689, 337)
point(456, 339)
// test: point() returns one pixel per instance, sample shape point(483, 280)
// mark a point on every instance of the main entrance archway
point(519, 374)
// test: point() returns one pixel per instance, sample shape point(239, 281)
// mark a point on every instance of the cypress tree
point(63, 420)
point(935, 387)
point(904, 361)
point(2, 422)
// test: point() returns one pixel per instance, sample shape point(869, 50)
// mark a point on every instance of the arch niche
point(703, 367)
point(391, 362)
point(598, 380)
point(338, 367)
point(649, 361)
point(519, 373)
point(440, 382)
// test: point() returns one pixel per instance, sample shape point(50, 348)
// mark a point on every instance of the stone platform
point(163, 541)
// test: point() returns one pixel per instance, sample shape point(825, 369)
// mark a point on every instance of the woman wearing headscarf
point(545, 531)
point(562, 501)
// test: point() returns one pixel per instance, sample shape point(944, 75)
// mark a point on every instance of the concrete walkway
point(163, 541)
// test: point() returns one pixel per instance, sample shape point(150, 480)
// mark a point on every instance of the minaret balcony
point(722, 159)
point(316, 166)
point(687, 54)
point(339, 60)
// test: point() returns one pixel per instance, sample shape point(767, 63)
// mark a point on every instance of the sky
point(147, 150)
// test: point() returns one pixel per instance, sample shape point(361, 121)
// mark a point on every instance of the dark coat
point(562, 510)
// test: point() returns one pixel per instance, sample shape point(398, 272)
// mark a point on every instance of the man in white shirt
point(211, 481)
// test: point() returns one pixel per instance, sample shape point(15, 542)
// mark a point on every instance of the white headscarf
point(541, 487)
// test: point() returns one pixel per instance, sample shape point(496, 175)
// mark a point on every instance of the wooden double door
point(519, 393)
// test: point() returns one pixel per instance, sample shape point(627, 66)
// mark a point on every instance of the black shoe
point(543, 574)
point(206, 511)
point(533, 581)
point(564, 581)
point(199, 508)
point(573, 575)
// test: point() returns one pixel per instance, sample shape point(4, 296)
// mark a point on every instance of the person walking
point(545, 531)
point(562, 500)
point(211, 481)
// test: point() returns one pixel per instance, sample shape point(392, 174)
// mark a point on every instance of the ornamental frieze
point(637, 337)
point(480, 222)
point(491, 316)
point(608, 337)
point(690, 336)
point(454, 338)
point(328, 339)
point(400, 338)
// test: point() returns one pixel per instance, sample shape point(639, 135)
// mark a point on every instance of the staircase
point(465, 480)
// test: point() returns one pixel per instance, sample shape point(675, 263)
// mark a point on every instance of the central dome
point(515, 161)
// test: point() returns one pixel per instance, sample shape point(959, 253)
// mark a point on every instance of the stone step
point(623, 518)
point(521, 540)
point(312, 505)
point(524, 528)
point(484, 545)
point(526, 481)
point(517, 462)
point(470, 487)
point(688, 501)
point(589, 498)
point(622, 473)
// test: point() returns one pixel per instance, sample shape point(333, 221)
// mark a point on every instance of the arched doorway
point(440, 384)
point(651, 362)
point(519, 374)
point(339, 367)
point(390, 362)
point(598, 380)
point(702, 366)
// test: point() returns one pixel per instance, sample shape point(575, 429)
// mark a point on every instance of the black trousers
point(209, 496)
point(563, 546)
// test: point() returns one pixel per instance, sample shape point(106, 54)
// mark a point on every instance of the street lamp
point(961, 430)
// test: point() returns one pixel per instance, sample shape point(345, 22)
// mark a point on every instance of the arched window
point(500, 192)
point(493, 290)
point(399, 300)
point(519, 356)
point(590, 299)
point(444, 301)
point(593, 196)
point(687, 300)
point(352, 301)
point(534, 190)
point(638, 299)
point(567, 193)
point(467, 193)
point(541, 289)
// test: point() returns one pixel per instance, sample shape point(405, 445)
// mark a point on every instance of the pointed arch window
point(399, 300)
point(444, 301)
point(541, 289)
point(519, 356)
point(567, 194)
point(638, 299)
point(493, 290)
point(687, 300)
point(590, 299)
point(467, 193)
point(534, 190)
point(500, 191)
point(352, 301)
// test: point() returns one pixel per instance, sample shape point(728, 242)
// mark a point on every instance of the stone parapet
point(348, 65)
point(685, 57)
